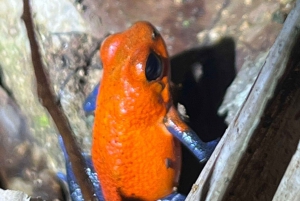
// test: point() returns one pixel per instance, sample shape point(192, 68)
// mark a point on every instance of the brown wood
point(48, 100)
point(258, 146)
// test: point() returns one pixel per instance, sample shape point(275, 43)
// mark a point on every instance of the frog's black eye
point(154, 67)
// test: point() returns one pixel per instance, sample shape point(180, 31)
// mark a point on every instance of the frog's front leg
point(202, 150)
point(74, 188)
point(173, 197)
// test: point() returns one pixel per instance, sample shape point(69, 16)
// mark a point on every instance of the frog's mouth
point(163, 89)
point(162, 85)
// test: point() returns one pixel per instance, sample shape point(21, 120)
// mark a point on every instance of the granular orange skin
point(133, 153)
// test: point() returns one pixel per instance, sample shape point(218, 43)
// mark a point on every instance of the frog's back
point(133, 153)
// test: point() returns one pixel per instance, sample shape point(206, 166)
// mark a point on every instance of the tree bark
point(259, 148)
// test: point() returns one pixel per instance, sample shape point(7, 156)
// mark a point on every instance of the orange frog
point(136, 151)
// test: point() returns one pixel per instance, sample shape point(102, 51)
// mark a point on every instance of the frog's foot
point(173, 197)
point(74, 188)
point(70, 187)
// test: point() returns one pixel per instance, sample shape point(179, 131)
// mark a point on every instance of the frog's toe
point(210, 146)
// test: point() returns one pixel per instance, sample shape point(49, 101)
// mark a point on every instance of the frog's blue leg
point(174, 197)
point(74, 188)
point(64, 185)
point(202, 150)
point(89, 104)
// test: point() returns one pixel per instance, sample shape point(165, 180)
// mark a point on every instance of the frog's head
point(136, 64)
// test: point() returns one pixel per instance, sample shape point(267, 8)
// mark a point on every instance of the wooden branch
point(289, 188)
point(256, 149)
point(47, 99)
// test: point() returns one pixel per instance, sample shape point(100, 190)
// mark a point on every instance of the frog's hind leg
point(74, 188)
